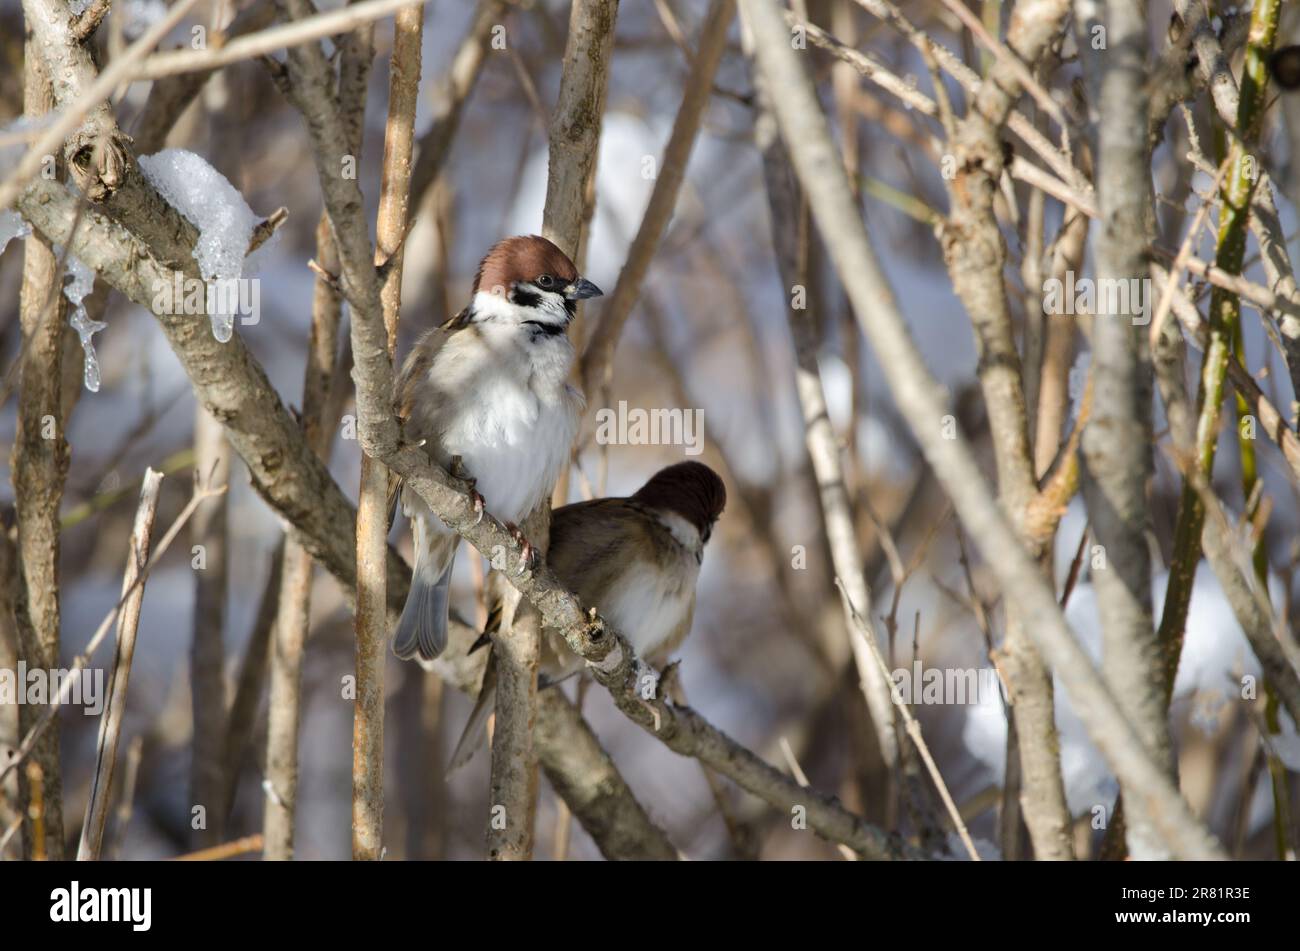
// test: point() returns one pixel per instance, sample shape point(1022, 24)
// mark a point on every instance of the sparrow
point(636, 560)
point(486, 396)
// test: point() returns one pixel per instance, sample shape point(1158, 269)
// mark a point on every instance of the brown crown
point(522, 258)
point(691, 489)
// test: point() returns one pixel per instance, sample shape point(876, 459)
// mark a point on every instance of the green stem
point(182, 459)
point(1277, 774)
point(1225, 319)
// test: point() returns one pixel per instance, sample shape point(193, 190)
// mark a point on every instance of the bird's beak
point(581, 289)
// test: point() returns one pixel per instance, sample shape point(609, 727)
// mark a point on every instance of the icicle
point(223, 326)
point(86, 330)
point(76, 291)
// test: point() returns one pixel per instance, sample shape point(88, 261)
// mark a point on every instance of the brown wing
point(590, 542)
point(420, 359)
point(414, 369)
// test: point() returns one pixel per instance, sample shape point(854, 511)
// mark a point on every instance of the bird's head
point(690, 490)
point(528, 280)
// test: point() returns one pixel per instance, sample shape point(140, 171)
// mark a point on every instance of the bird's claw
point(669, 681)
point(652, 710)
point(528, 554)
point(476, 498)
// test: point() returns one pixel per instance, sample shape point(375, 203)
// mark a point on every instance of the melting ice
point(214, 206)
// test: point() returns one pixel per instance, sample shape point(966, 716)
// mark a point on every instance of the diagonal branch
point(466, 65)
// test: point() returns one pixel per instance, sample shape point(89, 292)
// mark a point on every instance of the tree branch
point(39, 470)
point(1118, 440)
point(916, 393)
point(128, 622)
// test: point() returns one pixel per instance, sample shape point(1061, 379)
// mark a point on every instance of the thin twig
point(250, 843)
point(697, 89)
point(110, 724)
point(913, 728)
point(307, 30)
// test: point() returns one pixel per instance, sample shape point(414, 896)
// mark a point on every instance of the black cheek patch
point(570, 307)
point(540, 329)
point(525, 298)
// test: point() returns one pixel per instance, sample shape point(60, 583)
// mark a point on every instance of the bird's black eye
point(545, 282)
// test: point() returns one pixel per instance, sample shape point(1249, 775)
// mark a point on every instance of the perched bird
point(487, 396)
point(636, 560)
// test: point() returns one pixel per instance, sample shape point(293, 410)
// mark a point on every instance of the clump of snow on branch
point(214, 206)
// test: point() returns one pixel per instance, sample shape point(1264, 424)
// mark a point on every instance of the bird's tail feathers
point(422, 629)
point(475, 732)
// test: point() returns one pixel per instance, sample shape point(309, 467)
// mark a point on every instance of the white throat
point(686, 534)
point(547, 357)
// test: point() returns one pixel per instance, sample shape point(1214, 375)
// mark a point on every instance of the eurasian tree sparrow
point(636, 560)
point(487, 396)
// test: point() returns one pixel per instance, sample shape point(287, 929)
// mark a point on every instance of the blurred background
point(768, 659)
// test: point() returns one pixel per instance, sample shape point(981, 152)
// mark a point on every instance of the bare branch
point(913, 728)
point(208, 533)
point(201, 492)
point(110, 724)
point(574, 144)
point(372, 508)
point(40, 469)
point(466, 65)
point(584, 775)
point(305, 30)
point(81, 92)
point(1117, 442)
point(169, 96)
